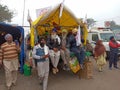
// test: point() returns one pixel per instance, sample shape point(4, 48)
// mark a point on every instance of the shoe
point(9, 87)
point(65, 67)
point(14, 84)
point(68, 69)
point(100, 70)
point(110, 68)
point(117, 67)
point(41, 83)
point(54, 71)
point(41, 80)
point(57, 70)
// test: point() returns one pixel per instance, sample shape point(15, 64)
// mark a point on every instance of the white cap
point(7, 35)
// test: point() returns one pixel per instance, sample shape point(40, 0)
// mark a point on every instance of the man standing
point(54, 45)
point(40, 53)
point(10, 60)
point(113, 53)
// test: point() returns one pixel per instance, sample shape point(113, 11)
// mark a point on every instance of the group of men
point(51, 48)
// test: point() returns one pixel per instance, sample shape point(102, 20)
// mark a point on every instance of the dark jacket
point(72, 41)
point(53, 43)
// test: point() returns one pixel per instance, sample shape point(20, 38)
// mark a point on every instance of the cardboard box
point(87, 71)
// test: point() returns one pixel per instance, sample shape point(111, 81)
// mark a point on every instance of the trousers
point(11, 68)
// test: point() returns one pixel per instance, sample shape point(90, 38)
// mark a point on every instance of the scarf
point(99, 48)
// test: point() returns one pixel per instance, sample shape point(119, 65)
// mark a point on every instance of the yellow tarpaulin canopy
point(51, 19)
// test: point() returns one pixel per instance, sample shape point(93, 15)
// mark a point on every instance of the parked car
point(103, 34)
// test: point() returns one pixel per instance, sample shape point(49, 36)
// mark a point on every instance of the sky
point(99, 10)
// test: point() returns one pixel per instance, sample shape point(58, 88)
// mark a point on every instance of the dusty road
point(106, 80)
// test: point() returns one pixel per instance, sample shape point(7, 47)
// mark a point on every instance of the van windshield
point(117, 34)
point(106, 36)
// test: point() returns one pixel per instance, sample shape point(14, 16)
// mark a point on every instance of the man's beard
point(42, 44)
point(64, 36)
point(75, 34)
point(53, 36)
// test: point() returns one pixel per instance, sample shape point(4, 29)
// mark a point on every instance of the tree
point(5, 14)
point(112, 24)
point(90, 22)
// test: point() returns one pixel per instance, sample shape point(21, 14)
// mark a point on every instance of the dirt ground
point(66, 80)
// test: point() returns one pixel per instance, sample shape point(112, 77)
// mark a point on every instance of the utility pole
point(23, 13)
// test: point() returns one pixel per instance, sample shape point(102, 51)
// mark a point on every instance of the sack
point(74, 65)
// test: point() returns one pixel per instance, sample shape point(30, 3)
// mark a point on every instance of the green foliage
point(90, 22)
point(113, 25)
point(5, 14)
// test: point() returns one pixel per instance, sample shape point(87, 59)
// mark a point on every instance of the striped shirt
point(9, 51)
point(0, 54)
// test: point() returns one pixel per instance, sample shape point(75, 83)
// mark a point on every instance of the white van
point(103, 34)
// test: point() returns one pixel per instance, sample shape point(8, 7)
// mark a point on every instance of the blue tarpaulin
point(18, 33)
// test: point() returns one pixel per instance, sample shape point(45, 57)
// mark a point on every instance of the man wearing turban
point(54, 45)
point(77, 50)
point(64, 51)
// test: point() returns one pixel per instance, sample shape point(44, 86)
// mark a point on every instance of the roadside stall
point(18, 34)
point(54, 18)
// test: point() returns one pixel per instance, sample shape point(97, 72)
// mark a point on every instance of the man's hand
point(46, 56)
point(63, 48)
point(18, 48)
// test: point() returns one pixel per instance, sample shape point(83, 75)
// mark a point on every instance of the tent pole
point(59, 15)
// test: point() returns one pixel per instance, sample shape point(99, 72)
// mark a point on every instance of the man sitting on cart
point(54, 45)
